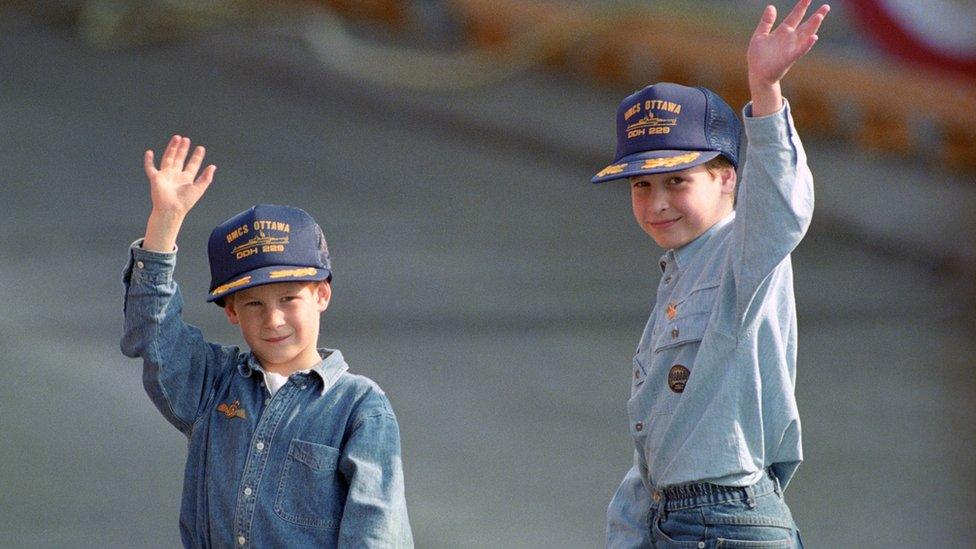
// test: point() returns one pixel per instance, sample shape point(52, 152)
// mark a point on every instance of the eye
point(288, 298)
point(674, 181)
point(640, 183)
point(253, 303)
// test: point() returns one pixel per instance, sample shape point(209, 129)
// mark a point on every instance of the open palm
point(175, 186)
point(772, 52)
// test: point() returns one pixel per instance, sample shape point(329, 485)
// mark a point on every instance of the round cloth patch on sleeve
point(677, 378)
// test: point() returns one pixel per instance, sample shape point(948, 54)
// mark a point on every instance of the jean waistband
point(684, 496)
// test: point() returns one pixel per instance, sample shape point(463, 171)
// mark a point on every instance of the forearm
point(178, 364)
point(375, 512)
point(162, 228)
point(775, 203)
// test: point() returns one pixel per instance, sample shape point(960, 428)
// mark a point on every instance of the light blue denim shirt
point(316, 465)
point(712, 384)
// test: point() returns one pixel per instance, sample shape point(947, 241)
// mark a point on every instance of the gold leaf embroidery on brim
point(308, 271)
point(224, 287)
point(670, 161)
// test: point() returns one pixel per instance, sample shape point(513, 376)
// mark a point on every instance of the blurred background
point(446, 148)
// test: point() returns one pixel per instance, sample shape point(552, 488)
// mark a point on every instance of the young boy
point(712, 410)
point(286, 448)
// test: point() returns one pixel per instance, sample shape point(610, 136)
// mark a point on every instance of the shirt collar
point(329, 370)
point(682, 256)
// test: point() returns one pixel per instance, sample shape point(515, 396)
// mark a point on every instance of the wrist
point(767, 97)
point(168, 215)
point(161, 230)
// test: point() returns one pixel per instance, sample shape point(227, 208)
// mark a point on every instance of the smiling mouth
point(664, 224)
point(276, 339)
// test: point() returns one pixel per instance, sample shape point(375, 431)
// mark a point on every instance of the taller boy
point(286, 447)
point(712, 408)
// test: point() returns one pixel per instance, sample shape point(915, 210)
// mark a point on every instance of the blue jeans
point(711, 516)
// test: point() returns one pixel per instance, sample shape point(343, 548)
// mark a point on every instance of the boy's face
point(280, 322)
point(677, 207)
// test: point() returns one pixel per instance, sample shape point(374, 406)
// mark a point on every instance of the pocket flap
point(683, 329)
point(317, 456)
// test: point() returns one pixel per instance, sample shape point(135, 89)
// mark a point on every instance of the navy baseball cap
point(668, 127)
point(265, 244)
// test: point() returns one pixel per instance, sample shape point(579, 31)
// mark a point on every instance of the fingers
point(181, 152)
point(207, 176)
point(796, 14)
point(147, 164)
point(812, 24)
point(169, 154)
point(195, 160)
point(175, 155)
point(766, 21)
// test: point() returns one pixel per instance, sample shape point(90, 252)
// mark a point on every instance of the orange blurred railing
point(877, 105)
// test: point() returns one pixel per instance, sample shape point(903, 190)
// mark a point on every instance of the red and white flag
point(937, 33)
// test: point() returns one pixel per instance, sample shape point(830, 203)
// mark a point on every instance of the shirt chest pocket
point(685, 319)
point(311, 491)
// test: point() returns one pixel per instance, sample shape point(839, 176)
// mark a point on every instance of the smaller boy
point(286, 447)
point(712, 410)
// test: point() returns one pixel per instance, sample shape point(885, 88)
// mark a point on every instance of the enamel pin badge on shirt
point(678, 378)
point(671, 311)
point(232, 410)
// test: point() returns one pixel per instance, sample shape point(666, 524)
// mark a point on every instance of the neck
point(309, 358)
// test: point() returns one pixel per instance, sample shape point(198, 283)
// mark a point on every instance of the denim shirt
point(712, 383)
point(317, 464)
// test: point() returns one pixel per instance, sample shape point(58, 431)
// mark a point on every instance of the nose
point(274, 317)
point(658, 199)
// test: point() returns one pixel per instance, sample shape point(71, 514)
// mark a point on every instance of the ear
point(727, 178)
point(323, 293)
point(230, 309)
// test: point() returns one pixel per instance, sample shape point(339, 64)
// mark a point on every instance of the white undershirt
point(277, 381)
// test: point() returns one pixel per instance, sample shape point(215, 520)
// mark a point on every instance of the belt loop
point(751, 496)
point(777, 487)
point(660, 501)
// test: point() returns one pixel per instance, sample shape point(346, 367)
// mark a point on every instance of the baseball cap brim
point(268, 275)
point(653, 162)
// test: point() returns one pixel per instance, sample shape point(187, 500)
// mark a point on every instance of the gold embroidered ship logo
point(262, 242)
point(650, 124)
point(232, 410)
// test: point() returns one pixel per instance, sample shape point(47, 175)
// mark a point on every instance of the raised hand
point(772, 51)
point(175, 188)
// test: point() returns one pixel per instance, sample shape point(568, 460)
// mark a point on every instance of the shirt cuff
point(150, 266)
point(776, 127)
